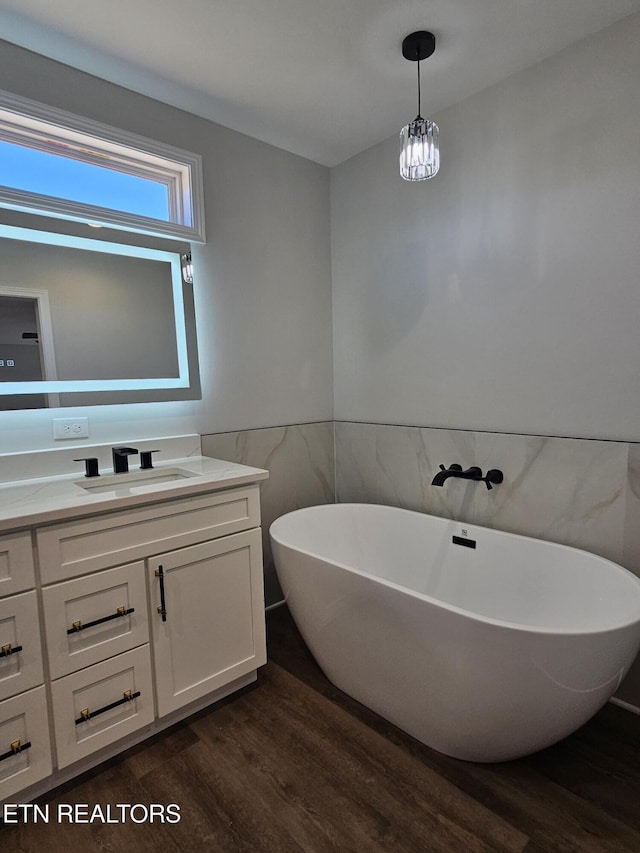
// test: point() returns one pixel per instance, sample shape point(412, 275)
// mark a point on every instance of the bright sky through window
point(62, 177)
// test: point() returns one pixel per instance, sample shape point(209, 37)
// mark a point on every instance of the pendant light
point(187, 268)
point(419, 150)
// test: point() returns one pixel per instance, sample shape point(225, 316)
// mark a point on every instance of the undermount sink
point(134, 479)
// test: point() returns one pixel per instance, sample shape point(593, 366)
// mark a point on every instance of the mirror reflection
point(81, 315)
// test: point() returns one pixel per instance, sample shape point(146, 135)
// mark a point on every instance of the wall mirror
point(85, 322)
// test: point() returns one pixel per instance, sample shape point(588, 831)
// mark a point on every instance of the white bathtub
point(485, 653)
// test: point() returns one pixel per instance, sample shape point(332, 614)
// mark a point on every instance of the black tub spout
point(492, 478)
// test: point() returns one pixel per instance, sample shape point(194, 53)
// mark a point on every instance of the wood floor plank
point(339, 781)
point(155, 752)
point(598, 766)
point(404, 789)
point(219, 807)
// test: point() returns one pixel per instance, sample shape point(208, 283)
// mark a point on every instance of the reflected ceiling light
point(187, 268)
point(419, 150)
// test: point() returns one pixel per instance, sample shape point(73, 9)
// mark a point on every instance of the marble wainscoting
point(577, 492)
point(300, 461)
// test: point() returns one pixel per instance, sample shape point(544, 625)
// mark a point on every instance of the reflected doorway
point(26, 346)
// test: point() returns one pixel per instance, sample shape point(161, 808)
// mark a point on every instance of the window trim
point(33, 124)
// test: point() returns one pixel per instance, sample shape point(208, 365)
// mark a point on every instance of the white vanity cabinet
point(25, 747)
point(147, 613)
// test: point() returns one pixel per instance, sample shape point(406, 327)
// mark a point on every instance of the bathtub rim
point(499, 623)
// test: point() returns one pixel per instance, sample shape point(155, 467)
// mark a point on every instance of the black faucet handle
point(90, 466)
point(493, 477)
point(146, 460)
point(454, 467)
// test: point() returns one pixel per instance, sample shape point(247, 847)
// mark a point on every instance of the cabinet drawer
point(16, 563)
point(111, 607)
point(24, 719)
point(69, 550)
point(21, 665)
point(91, 708)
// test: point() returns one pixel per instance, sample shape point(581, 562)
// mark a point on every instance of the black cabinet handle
point(162, 610)
point(86, 714)
point(16, 747)
point(79, 625)
point(7, 650)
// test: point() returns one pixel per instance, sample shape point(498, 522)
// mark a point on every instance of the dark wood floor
point(294, 764)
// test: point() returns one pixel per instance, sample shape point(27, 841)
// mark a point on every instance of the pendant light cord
point(419, 115)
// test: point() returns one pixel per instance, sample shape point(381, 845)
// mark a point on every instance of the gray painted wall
point(503, 294)
point(262, 285)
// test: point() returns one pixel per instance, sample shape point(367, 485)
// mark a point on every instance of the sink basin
point(134, 480)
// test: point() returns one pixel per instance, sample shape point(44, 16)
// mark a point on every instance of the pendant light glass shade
point(419, 150)
point(187, 268)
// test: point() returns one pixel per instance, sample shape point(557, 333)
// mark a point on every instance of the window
point(62, 165)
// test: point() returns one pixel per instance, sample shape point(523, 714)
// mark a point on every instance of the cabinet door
point(25, 750)
point(93, 618)
point(20, 652)
point(207, 614)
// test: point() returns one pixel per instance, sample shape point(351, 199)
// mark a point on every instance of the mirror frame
point(84, 243)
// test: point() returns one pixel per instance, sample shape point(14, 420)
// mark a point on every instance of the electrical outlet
point(70, 428)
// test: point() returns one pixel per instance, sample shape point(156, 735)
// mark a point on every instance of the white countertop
point(24, 503)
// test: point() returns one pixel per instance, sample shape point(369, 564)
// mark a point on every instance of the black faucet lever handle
point(146, 460)
point(90, 466)
point(493, 477)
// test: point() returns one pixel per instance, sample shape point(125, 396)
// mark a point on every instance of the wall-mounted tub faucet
point(492, 478)
point(120, 458)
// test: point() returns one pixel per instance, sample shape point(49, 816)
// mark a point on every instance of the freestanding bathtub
point(484, 645)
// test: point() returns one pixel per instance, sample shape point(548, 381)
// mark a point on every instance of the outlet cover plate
point(66, 428)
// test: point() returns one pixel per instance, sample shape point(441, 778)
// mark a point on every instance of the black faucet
point(120, 460)
point(492, 478)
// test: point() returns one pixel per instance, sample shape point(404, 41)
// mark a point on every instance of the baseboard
point(626, 705)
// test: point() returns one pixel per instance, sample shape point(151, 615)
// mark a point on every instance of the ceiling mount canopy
point(417, 46)
point(419, 146)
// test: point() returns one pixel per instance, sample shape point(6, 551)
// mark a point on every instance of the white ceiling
point(322, 78)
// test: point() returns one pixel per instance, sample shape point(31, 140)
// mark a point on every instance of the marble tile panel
point(565, 490)
point(300, 462)
point(448, 447)
point(356, 474)
point(631, 547)
point(408, 458)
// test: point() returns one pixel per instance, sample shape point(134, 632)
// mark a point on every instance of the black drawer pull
point(162, 610)
point(16, 747)
point(7, 650)
point(86, 714)
point(78, 625)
